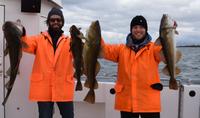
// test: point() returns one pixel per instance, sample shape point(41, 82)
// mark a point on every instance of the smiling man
point(138, 84)
point(52, 74)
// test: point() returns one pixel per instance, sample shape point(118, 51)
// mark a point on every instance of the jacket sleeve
point(158, 55)
point(110, 51)
point(29, 43)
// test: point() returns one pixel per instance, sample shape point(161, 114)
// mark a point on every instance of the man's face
point(55, 22)
point(138, 32)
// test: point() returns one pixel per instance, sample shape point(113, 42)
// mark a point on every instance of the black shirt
point(55, 36)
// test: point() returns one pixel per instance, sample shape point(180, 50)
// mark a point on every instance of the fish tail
point(95, 84)
point(6, 98)
point(90, 97)
point(79, 86)
point(8, 85)
point(87, 84)
point(173, 84)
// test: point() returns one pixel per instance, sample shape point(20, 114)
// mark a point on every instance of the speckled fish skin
point(76, 47)
point(167, 32)
point(90, 54)
point(12, 33)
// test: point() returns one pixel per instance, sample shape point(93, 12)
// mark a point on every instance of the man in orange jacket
point(52, 73)
point(138, 83)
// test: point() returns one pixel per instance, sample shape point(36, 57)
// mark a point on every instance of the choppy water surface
point(189, 65)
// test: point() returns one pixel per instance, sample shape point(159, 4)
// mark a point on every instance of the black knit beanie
point(139, 20)
point(55, 11)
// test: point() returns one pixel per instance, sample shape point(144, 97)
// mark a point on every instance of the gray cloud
point(115, 16)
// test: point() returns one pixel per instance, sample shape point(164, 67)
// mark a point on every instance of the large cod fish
point(12, 33)
point(76, 47)
point(172, 56)
point(91, 52)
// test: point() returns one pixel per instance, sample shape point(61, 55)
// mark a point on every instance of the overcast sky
point(115, 17)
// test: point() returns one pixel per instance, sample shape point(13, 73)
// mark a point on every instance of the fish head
point(94, 31)
point(94, 25)
point(10, 27)
point(7, 25)
point(167, 22)
point(75, 31)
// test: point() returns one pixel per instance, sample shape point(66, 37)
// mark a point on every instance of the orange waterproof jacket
point(136, 73)
point(52, 73)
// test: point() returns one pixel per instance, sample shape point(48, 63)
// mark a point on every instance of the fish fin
point(178, 56)
point(8, 72)
point(157, 42)
point(101, 52)
point(84, 71)
point(7, 85)
point(6, 51)
point(165, 71)
point(79, 86)
point(81, 36)
point(173, 84)
point(162, 57)
point(97, 69)
point(87, 84)
point(96, 84)
point(178, 70)
point(90, 97)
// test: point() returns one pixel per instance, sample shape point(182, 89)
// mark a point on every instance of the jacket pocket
point(36, 77)
point(118, 87)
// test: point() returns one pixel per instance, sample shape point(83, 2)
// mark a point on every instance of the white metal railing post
point(2, 19)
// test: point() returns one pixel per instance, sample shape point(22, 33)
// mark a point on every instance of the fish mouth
point(168, 22)
point(165, 15)
point(95, 23)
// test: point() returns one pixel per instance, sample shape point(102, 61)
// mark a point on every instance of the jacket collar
point(135, 46)
point(60, 44)
point(48, 37)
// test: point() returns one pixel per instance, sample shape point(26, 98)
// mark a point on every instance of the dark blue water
point(189, 65)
